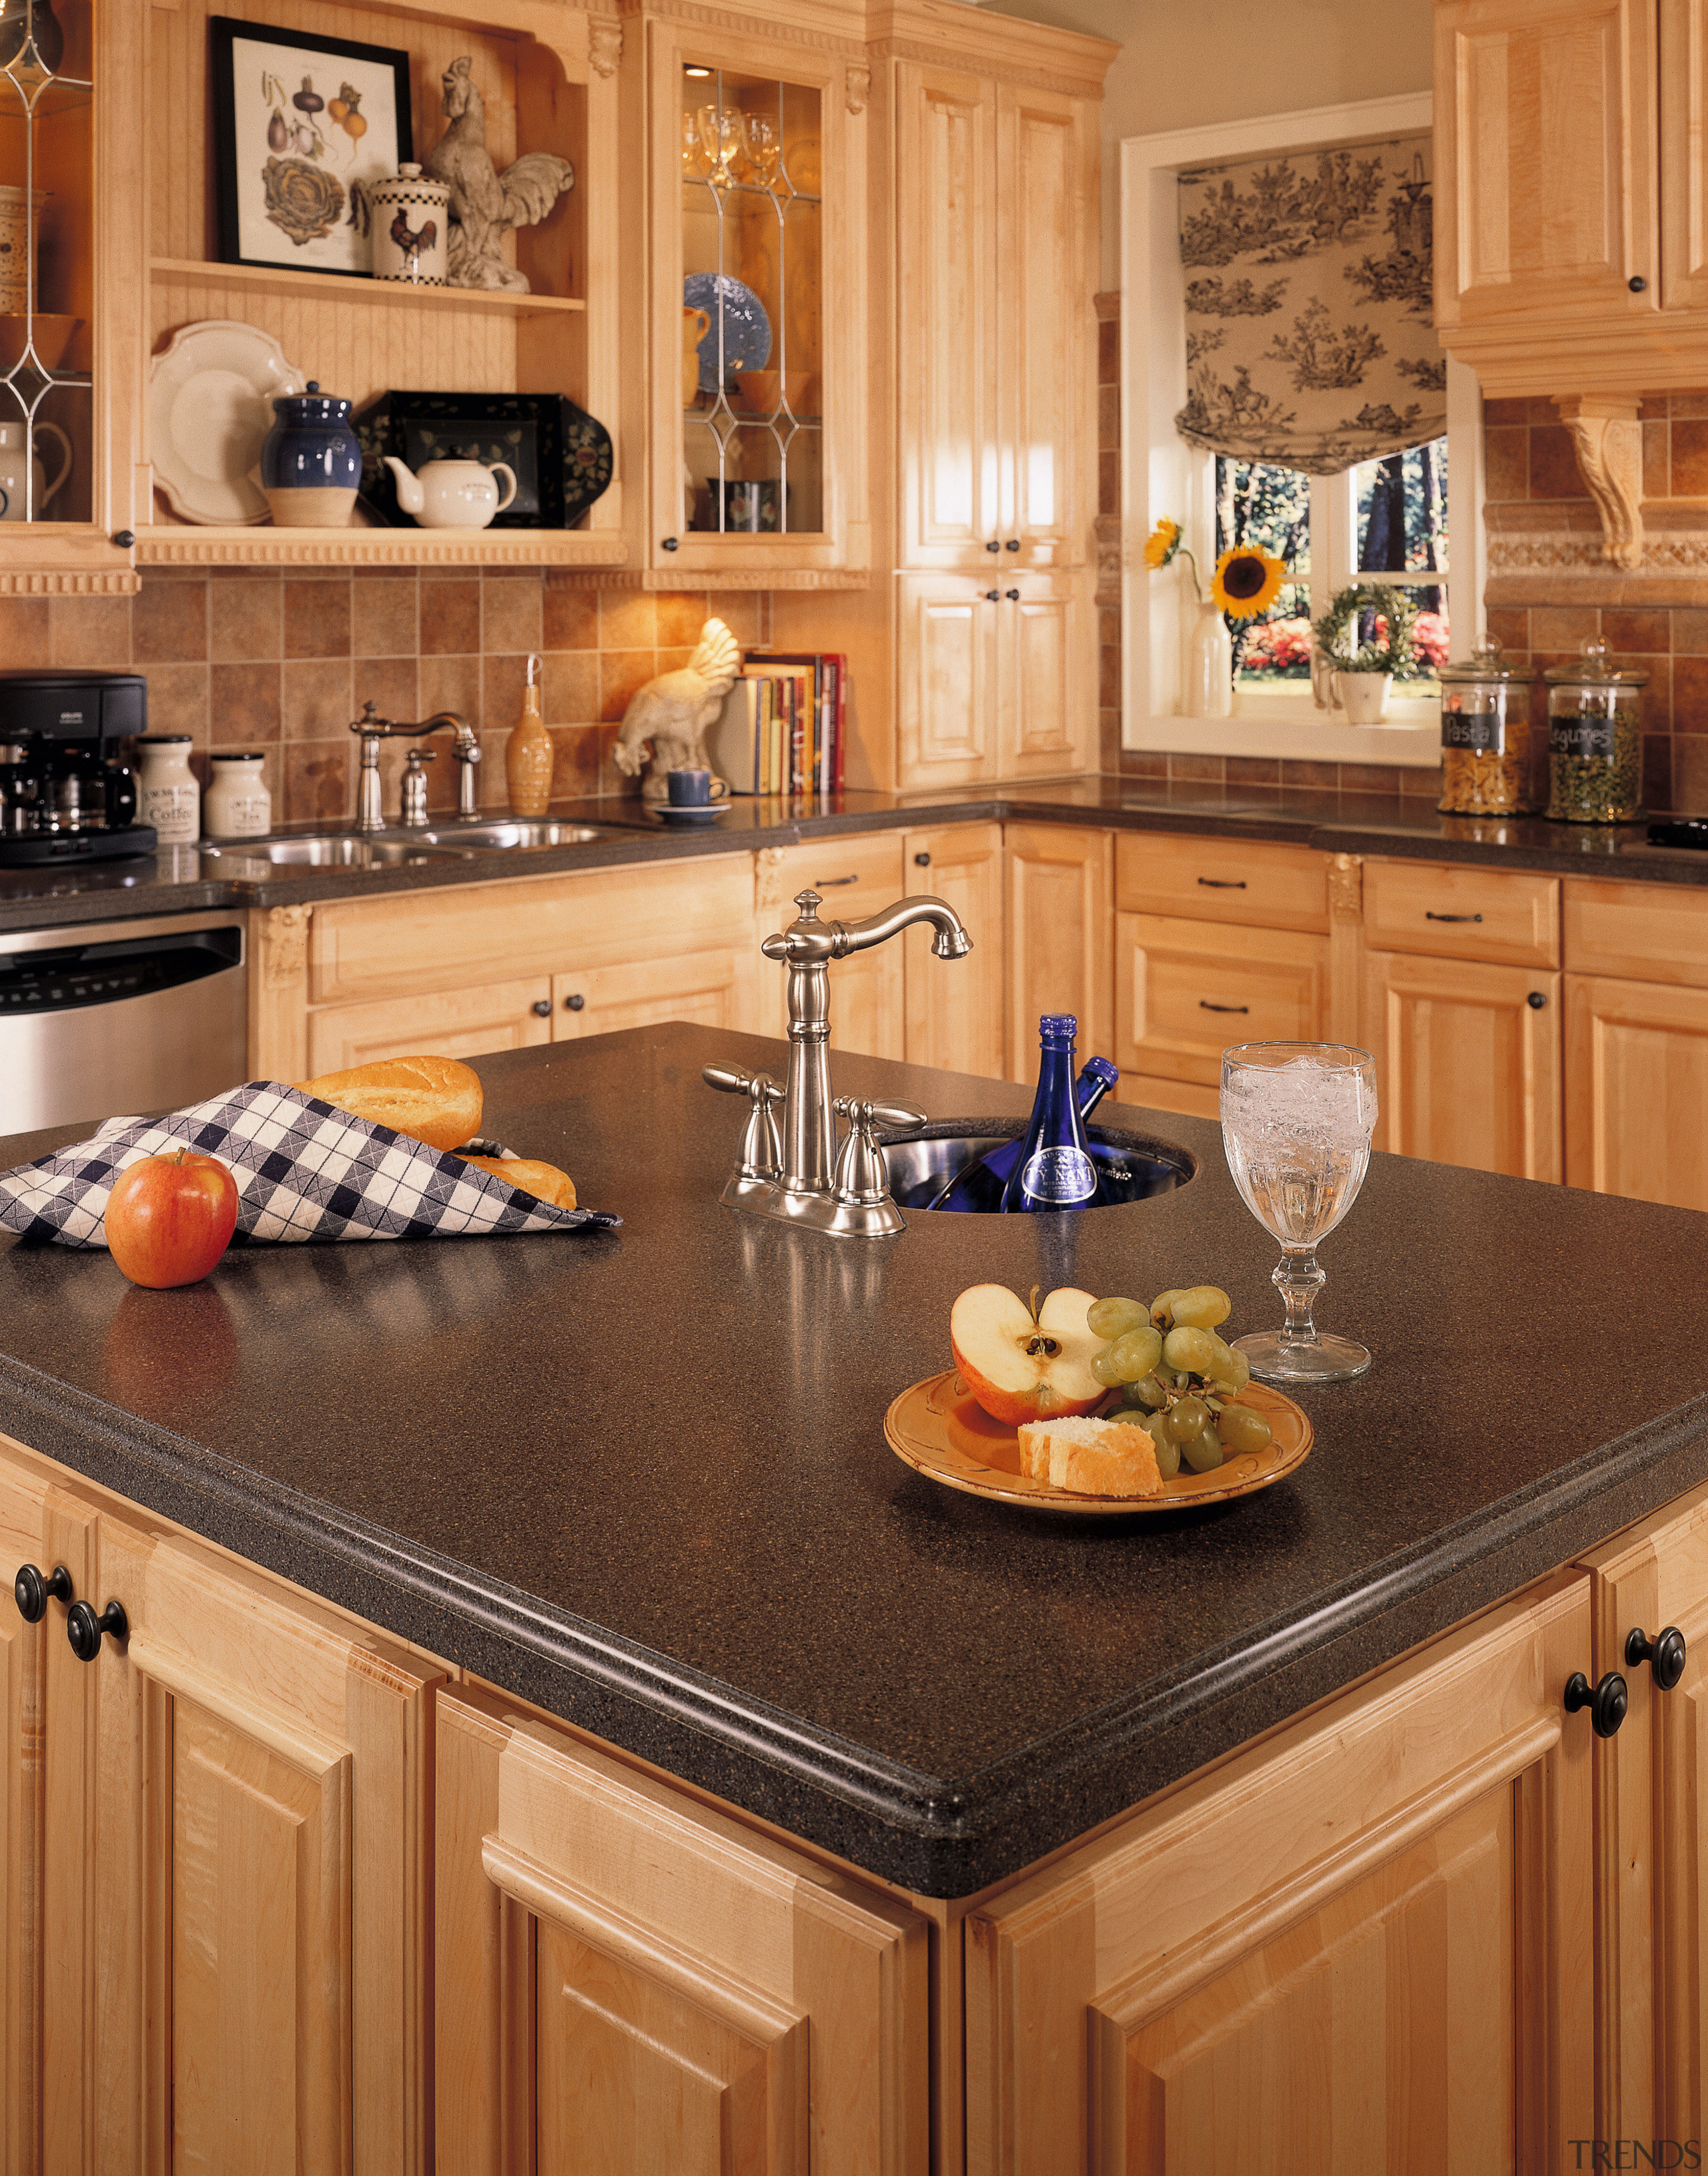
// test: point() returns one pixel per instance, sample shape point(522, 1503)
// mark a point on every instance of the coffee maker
point(66, 793)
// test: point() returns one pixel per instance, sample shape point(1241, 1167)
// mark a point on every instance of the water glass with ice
point(1295, 1121)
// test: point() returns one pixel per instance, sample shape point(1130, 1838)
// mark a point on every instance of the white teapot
point(450, 494)
point(14, 453)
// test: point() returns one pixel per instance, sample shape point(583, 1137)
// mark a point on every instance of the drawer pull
point(922, 860)
point(573, 1004)
point(1205, 1006)
point(1430, 915)
point(1606, 1702)
point(1664, 1654)
point(1536, 1002)
point(30, 1590)
point(832, 884)
point(83, 1629)
point(1222, 884)
point(541, 1008)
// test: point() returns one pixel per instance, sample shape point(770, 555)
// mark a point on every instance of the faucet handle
point(894, 1118)
point(732, 1081)
point(762, 1146)
point(863, 1177)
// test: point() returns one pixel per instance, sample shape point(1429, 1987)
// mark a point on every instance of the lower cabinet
point(445, 1023)
point(853, 878)
point(1061, 911)
point(630, 1981)
point(1636, 1117)
point(956, 1009)
point(712, 988)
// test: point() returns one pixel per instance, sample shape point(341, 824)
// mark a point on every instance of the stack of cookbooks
point(781, 730)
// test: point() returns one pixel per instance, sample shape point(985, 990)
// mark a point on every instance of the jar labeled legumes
point(1594, 741)
point(167, 795)
point(1485, 735)
point(239, 805)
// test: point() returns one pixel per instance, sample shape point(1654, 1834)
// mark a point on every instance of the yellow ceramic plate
point(941, 1431)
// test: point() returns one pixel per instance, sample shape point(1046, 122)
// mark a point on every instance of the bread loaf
point(544, 1181)
point(1091, 1458)
point(434, 1100)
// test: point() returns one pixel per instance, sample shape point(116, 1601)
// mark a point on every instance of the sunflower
point(1246, 581)
point(1161, 544)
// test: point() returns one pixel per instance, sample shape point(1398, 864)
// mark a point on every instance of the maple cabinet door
point(956, 1007)
point(1184, 991)
point(1467, 1063)
point(853, 878)
point(628, 1981)
point(1044, 630)
point(949, 678)
point(448, 1024)
point(263, 1874)
point(1061, 927)
point(714, 988)
point(1636, 1073)
point(1365, 1945)
point(1546, 169)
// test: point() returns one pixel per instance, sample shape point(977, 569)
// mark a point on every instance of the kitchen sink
point(516, 831)
point(334, 849)
point(1133, 1165)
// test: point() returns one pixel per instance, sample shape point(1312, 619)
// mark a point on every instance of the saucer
point(709, 814)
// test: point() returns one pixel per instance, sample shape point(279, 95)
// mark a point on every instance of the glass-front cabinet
point(70, 243)
point(758, 306)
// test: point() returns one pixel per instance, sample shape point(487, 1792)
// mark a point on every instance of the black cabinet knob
point(83, 1629)
point(993, 595)
point(670, 543)
point(543, 1007)
point(574, 1004)
point(922, 860)
point(1013, 596)
point(30, 1590)
point(1538, 1001)
point(1606, 1702)
point(993, 545)
point(1664, 1654)
point(1014, 544)
point(1636, 283)
point(124, 538)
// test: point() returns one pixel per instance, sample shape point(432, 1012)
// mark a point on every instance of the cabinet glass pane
point(47, 260)
point(752, 304)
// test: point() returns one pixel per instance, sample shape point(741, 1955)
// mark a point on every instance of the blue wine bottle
point(1055, 1169)
point(979, 1188)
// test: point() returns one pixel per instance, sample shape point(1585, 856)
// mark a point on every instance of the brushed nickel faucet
point(370, 812)
point(800, 1175)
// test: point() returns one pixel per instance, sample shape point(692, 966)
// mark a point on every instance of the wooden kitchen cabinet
point(853, 877)
point(957, 1008)
point(1636, 1105)
point(1060, 927)
point(1375, 1927)
point(993, 678)
point(629, 1980)
point(446, 1024)
point(1184, 991)
point(709, 987)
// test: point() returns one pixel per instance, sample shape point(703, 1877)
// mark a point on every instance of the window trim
point(1161, 475)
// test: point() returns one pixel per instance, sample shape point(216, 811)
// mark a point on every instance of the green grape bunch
point(1166, 1370)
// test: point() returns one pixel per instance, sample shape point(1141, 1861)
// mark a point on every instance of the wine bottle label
point(1482, 731)
point(1580, 736)
point(1060, 1175)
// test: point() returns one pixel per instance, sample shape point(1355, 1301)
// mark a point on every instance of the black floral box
point(561, 456)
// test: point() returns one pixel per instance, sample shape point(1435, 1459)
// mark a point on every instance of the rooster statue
point(485, 203)
point(674, 711)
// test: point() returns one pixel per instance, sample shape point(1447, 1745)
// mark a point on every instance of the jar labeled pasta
point(1485, 735)
point(1595, 742)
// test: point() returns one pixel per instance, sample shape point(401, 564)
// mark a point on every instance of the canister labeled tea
point(1485, 736)
point(1594, 741)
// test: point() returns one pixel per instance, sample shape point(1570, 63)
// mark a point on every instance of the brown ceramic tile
point(745, 612)
point(1657, 772)
point(1295, 771)
point(317, 703)
point(384, 621)
point(576, 772)
point(317, 619)
point(453, 684)
point(1689, 695)
point(621, 673)
point(1658, 695)
point(1510, 626)
point(1563, 627)
point(511, 619)
point(1542, 410)
point(627, 620)
point(681, 615)
point(1654, 408)
point(450, 618)
point(1690, 633)
point(1507, 454)
point(1369, 778)
point(1689, 459)
point(88, 632)
point(1554, 467)
point(1690, 794)
point(1420, 782)
point(1253, 771)
point(1109, 483)
point(244, 619)
point(316, 781)
point(571, 618)
point(571, 687)
point(1657, 460)
point(169, 621)
point(1144, 763)
point(1629, 628)
point(242, 706)
point(1692, 406)
point(502, 682)
point(613, 781)
point(1109, 353)
point(1108, 418)
point(1505, 411)
point(389, 683)
point(1198, 769)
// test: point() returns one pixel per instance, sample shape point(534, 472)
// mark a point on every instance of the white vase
point(1208, 691)
point(1363, 696)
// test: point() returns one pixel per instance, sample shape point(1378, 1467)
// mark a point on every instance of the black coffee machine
point(66, 792)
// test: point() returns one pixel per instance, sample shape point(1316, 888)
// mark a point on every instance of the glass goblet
point(764, 151)
point(723, 134)
point(1295, 1121)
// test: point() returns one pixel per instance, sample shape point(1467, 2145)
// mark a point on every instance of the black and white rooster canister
point(411, 223)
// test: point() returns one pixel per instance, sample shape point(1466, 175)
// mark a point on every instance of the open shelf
point(268, 280)
point(171, 544)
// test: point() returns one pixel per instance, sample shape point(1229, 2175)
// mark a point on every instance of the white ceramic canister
point(168, 796)
point(412, 228)
point(237, 804)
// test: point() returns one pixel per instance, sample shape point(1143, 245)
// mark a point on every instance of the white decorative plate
point(210, 405)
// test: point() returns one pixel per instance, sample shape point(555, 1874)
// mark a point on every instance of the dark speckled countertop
point(180, 880)
point(640, 1477)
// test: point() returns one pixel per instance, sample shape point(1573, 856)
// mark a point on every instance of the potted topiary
point(1362, 673)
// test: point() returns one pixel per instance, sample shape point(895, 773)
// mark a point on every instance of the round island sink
point(1132, 1166)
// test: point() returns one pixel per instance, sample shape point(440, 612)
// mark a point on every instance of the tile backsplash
point(248, 658)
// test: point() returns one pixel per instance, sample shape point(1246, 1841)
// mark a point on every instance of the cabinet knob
point(574, 1004)
point(1013, 596)
point(1606, 1702)
point(1636, 283)
point(1664, 1654)
point(124, 538)
point(671, 543)
point(541, 1008)
point(1013, 544)
point(993, 545)
point(1538, 1001)
point(30, 1590)
point(922, 860)
point(992, 594)
point(83, 1629)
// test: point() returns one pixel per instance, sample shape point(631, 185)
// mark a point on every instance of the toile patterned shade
point(1309, 337)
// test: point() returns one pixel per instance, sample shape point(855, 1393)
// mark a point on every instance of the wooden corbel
point(1608, 439)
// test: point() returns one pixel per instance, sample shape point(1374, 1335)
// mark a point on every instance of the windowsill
point(1304, 737)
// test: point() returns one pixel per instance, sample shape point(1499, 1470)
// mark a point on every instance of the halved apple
point(1022, 1366)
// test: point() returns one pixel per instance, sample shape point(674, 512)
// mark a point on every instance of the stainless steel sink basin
point(1133, 1165)
point(334, 849)
point(515, 832)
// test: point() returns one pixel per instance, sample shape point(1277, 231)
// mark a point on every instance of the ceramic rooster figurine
point(485, 203)
point(674, 711)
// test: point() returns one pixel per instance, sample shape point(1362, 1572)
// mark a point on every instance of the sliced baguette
point(544, 1181)
point(1091, 1458)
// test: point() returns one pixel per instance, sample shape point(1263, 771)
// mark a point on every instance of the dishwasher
point(106, 1019)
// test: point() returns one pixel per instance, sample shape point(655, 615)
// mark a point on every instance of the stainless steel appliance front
point(109, 1018)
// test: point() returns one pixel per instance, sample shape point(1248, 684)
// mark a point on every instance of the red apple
point(169, 1218)
point(1021, 1366)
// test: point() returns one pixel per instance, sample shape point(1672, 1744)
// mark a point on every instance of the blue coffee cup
point(689, 789)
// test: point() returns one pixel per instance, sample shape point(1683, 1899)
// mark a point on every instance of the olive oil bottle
point(529, 757)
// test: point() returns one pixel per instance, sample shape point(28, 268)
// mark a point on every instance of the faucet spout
point(950, 941)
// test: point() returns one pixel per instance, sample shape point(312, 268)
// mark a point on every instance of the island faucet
point(370, 813)
point(795, 1179)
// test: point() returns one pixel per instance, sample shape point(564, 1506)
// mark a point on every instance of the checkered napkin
point(304, 1170)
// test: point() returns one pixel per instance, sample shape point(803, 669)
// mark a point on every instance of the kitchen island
point(638, 1482)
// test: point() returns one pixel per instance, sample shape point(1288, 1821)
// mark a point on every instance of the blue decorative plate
point(747, 329)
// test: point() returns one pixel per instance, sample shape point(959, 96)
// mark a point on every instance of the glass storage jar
point(237, 804)
point(1594, 741)
point(169, 796)
point(1485, 735)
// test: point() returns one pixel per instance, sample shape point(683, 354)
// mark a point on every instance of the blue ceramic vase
point(311, 462)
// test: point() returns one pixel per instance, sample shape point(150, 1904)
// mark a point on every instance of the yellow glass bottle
point(529, 758)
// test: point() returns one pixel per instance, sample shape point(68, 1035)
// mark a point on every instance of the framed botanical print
point(302, 126)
